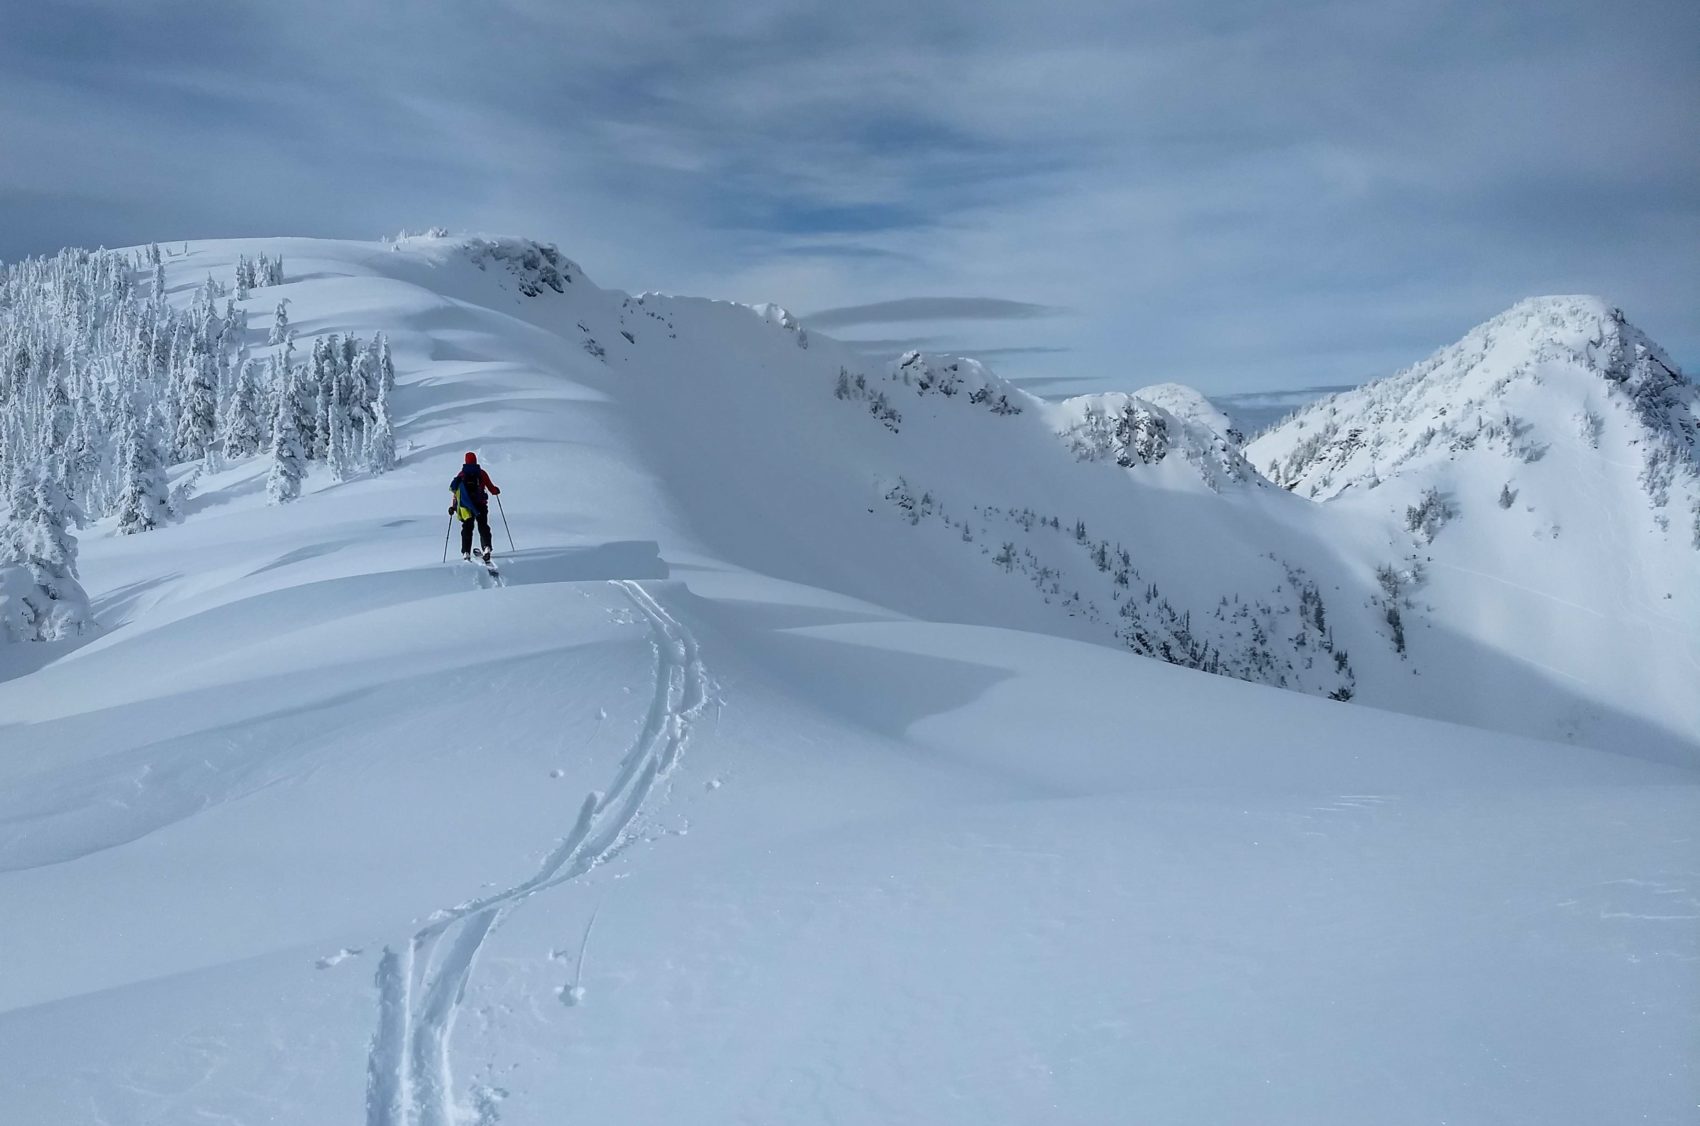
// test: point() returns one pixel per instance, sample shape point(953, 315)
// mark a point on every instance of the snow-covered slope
point(1540, 480)
point(801, 766)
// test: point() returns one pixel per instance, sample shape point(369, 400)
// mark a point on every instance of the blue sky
point(1095, 194)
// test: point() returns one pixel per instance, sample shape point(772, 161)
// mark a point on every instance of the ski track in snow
point(410, 1076)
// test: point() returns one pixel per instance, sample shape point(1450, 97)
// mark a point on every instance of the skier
point(472, 503)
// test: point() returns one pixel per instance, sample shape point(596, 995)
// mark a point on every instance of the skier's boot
point(486, 557)
point(466, 556)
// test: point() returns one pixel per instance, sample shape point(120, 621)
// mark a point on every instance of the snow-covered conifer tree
point(380, 436)
point(289, 460)
point(343, 444)
point(242, 432)
point(362, 387)
point(144, 493)
point(386, 366)
point(323, 393)
point(84, 456)
point(280, 324)
point(40, 598)
point(197, 410)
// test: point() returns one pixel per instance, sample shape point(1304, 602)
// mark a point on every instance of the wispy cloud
point(1226, 194)
point(929, 309)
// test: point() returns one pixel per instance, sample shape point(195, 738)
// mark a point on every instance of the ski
point(489, 565)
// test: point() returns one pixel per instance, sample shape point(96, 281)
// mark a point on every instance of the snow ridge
point(410, 1075)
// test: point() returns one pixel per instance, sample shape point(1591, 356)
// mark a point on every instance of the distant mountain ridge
point(1428, 582)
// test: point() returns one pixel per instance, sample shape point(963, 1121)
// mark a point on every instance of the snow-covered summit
point(1134, 430)
point(1191, 404)
point(1548, 375)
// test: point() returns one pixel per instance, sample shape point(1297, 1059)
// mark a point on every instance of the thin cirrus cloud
point(1237, 196)
point(929, 309)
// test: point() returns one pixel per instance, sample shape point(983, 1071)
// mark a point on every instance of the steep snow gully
point(421, 983)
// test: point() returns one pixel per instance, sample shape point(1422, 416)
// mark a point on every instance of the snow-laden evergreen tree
point(243, 434)
point(1430, 514)
point(232, 328)
point(386, 366)
point(289, 460)
point(40, 598)
point(197, 412)
point(144, 493)
point(362, 388)
point(344, 445)
point(380, 436)
point(85, 457)
point(54, 438)
point(270, 390)
point(280, 324)
point(323, 392)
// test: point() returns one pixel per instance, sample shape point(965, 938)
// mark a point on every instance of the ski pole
point(446, 532)
point(505, 527)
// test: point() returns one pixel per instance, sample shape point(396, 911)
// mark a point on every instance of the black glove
point(451, 510)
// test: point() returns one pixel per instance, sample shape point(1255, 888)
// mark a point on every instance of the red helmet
point(471, 458)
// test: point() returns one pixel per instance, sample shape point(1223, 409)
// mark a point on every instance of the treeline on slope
point(1285, 641)
point(104, 385)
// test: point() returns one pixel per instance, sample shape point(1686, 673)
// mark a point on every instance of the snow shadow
point(90, 805)
point(302, 554)
point(274, 613)
point(20, 658)
point(251, 485)
point(113, 608)
point(879, 689)
point(1572, 717)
